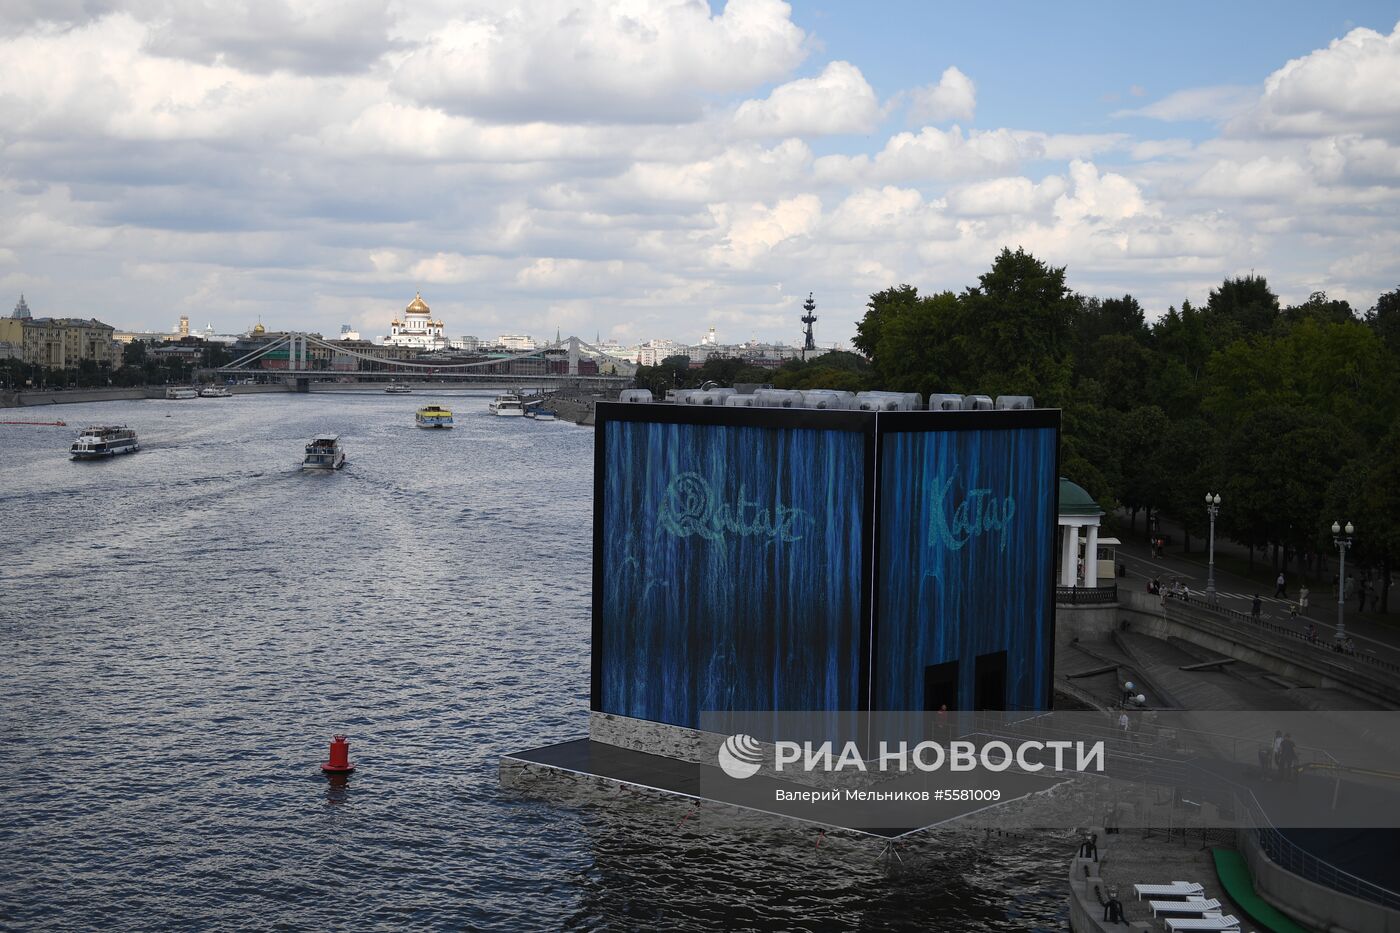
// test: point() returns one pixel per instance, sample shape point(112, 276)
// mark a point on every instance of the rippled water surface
point(184, 628)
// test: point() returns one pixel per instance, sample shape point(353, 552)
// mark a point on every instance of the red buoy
point(340, 757)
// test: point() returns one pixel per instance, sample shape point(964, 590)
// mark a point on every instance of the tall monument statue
point(809, 319)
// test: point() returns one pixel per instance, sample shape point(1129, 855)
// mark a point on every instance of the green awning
point(1234, 876)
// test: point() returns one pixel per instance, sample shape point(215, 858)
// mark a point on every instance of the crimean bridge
point(307, 358)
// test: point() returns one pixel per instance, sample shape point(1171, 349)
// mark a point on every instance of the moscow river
point(185, 628)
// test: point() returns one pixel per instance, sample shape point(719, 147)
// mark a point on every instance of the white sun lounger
point(1195, 905)
point(1175, 889)
point(1224, 924)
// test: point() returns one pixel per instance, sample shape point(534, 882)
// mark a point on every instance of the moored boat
point(398, 388)
point(174, 392)
point(433, 416)
point(324, 453)
point(215, 392)
point(545, 414)
point(507, 405)
point(101, 441)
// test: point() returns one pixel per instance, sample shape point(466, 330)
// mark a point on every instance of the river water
point(183, 630)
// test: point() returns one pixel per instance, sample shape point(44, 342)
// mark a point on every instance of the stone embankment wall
point(1312, 904)
point(31, 399)
point(67, 397)
point(576, 405)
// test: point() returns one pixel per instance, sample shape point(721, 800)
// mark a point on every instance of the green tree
point(913, 353)
point(1020, 309)
point(1282, 461)
point(1184, 336)
point(1384, 320)
point(1319, 308)
point(1243, 305)
point(882, 308)
point(1189, 466)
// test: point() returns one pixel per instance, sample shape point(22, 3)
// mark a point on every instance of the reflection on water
point(186, 627)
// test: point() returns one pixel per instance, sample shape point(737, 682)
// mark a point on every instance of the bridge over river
point(309, 358)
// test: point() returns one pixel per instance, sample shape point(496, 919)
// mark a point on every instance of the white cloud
point(1214, 104)
point(750, 231)
point(1107, 197)
point(740, 171)
point(622, 165)
point(954, 97)
point(1006, 196)
point(952, 154)
point(1265, 177)
point(889, 214)
point(303, 36)
point(837, 101)
point(591, 60)
point(1351, 86)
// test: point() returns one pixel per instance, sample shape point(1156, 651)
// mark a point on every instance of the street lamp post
point(1212, 509)
point(1343, 538)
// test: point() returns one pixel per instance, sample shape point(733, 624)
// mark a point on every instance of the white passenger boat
point(181, 392)
point(215, 392)
point(324, 453)
point(433, 416)
point(104, 441)
point(398, 388)
point(507, 406)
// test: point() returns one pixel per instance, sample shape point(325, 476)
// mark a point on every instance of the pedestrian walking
point(1278, 587)
point(1361, 592)
point(1303, 597)
point(1256, 607)
point(1288, 758)
point(1278, 747)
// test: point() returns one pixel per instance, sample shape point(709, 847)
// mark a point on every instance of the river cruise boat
point(105, 441)
point(181, 392)
point(398, 388)
point(324, 453)
point(215, 392)
point(507, 406)
point(433, 416)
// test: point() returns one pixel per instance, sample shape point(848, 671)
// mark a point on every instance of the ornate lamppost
point(1343, 538)
point(1212, 509)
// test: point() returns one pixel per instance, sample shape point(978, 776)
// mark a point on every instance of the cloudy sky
point(647, 168)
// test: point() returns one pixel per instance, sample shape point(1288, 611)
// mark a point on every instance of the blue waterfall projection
point(966, 528)
point(731, 569)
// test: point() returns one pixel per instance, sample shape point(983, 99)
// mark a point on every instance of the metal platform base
point(587, 760)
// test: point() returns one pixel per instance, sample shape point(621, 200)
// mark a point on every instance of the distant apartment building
point(516, 341)
point(653, 352)
point(59, 343)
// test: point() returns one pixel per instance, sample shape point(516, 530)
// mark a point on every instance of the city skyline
point(184, 327)
point(679, 167)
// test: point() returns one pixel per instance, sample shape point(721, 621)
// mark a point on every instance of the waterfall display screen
point(788, 559)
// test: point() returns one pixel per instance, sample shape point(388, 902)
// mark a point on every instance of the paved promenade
point(1373, 633)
